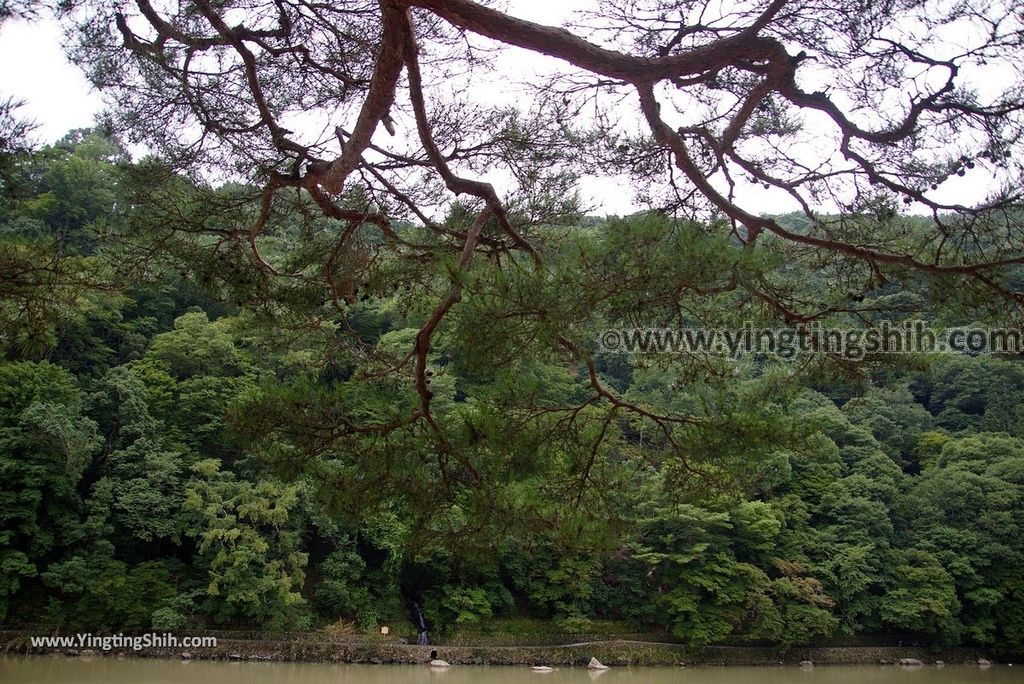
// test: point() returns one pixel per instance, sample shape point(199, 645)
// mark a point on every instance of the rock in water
point(542, 668)
point(436, 662)
point(806, 663)
point(984, 663)
point(596, 664)
point(909, 662)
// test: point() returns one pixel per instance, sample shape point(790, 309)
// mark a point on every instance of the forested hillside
point(190, 437)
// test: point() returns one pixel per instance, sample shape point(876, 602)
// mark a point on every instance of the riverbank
point(615, 653)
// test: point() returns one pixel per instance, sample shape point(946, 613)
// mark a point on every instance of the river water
point(60, 670)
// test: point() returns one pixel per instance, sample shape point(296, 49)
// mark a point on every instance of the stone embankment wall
point(609, 652)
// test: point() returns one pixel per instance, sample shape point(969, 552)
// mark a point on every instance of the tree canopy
point(326, 346)
point(346, 122)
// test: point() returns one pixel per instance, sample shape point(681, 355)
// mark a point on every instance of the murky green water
point(46, 670)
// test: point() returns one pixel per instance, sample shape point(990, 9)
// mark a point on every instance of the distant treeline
point(180, 445)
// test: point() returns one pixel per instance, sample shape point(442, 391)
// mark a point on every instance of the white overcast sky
point(33, 68)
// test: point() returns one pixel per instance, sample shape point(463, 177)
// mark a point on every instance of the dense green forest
point(182, 439)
